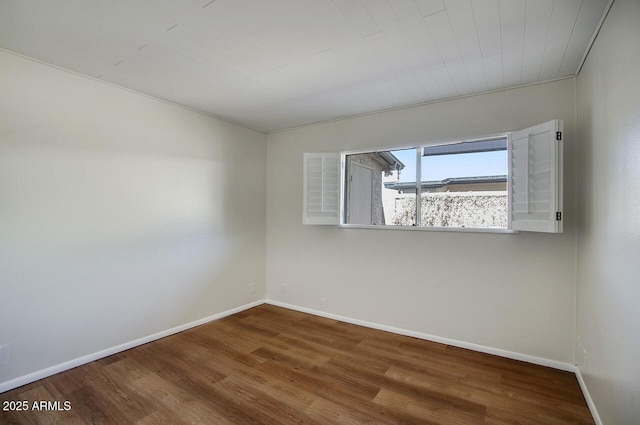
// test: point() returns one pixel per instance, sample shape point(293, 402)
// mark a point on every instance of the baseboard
point(27, 379)
point(456, 343)
point(587, 396)
point(44, 373)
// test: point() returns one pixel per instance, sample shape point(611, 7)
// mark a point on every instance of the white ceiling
point(275, 64)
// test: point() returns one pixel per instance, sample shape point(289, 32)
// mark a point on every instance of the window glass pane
point(466, 189)
point(368, 199)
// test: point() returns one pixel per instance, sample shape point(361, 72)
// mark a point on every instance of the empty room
point(320, 212)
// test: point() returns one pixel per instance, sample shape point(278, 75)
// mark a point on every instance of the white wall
point(120, 215)
point(513, 292)
point(608, 319)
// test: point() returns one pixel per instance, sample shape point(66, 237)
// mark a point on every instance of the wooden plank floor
point(269, 365)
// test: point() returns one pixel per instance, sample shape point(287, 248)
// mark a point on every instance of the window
point(512, 182)
point(469, 201)
point(464, 184)
point(460, 184)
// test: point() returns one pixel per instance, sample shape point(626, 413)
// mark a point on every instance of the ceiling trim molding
point(594, 36)
point(98, 80)
point(415, 105)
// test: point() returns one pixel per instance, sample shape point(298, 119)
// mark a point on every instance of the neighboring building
point(365, 173)
point(454, 184)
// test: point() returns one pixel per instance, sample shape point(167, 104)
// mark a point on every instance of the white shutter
point(535, 178)
point(321, 198)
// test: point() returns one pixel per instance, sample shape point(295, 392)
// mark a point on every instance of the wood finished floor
point(269, 365)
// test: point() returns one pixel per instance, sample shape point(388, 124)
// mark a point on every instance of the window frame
point(418, 226)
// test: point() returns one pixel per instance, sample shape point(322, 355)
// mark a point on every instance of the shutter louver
point(535, 178)
point(321, 199)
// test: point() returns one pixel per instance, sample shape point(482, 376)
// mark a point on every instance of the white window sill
point(433, 229)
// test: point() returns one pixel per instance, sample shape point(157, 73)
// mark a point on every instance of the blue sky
point(461, 165)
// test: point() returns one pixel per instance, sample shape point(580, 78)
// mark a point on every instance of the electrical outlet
point(323, 302)
point(252, 287)
point(283, 288)
point(584, 364)
point(5, 354)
